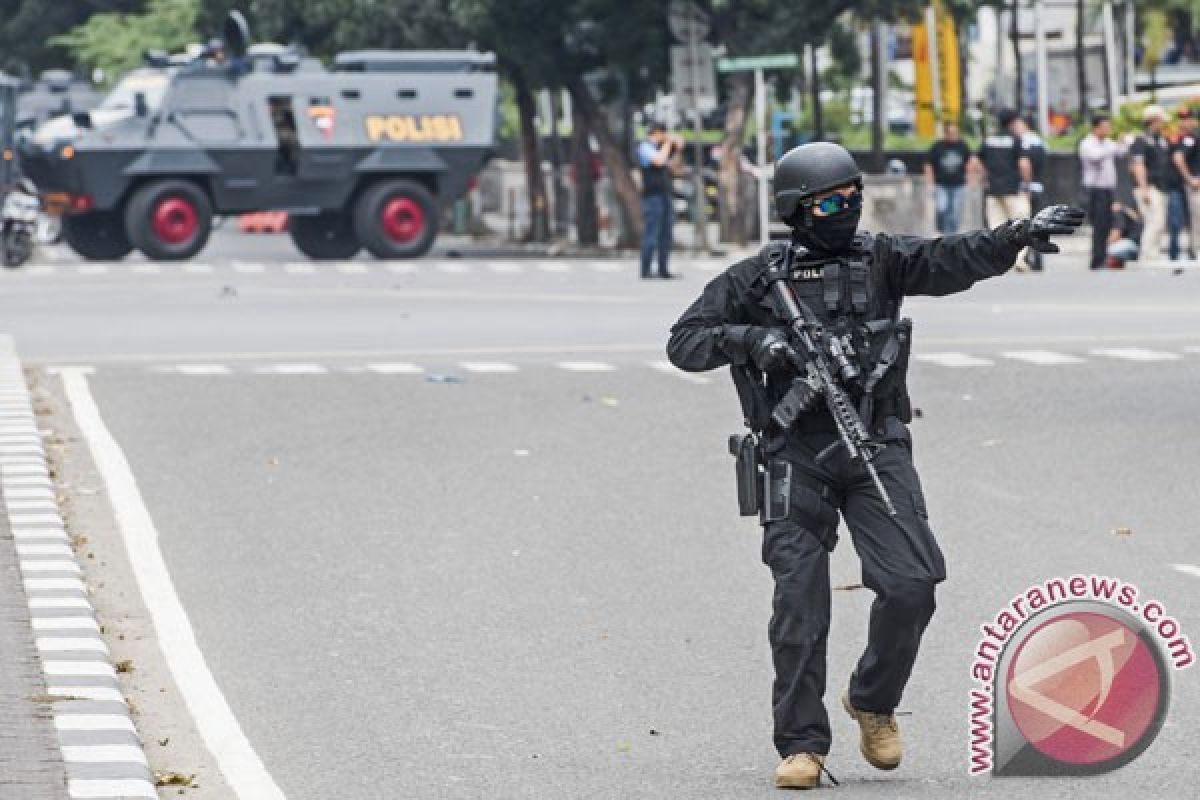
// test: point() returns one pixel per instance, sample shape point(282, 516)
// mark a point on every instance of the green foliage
point(115, 42)
point(26, 25)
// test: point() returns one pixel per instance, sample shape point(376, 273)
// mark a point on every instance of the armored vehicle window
point(351, 94)
point(464, 93)
point(287, 154)
point(407, 94)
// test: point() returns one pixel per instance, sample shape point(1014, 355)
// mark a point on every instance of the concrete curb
point(100, 745)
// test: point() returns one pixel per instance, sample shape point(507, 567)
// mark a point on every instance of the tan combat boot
point(880, 737)
point(800, 771)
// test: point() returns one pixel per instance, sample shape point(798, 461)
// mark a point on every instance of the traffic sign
point(693, 80)
point(778, 61)
point(687, 20)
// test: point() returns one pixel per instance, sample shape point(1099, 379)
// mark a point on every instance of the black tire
point(18, 248)
point(169, 220)
point(396, 219)
point(96, 235)
point(329, 235)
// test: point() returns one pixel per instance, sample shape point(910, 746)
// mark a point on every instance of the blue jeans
point(657, 216)
point(948, 203)
point(1177, 220)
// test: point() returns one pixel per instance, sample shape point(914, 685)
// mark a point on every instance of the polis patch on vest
point(807, 274)
point(414, 128)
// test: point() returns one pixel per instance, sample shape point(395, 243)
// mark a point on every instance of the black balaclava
point(831, 234)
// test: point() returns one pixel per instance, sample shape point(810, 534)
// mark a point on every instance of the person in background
point(1034, 149)
point(1098, 160)
point(946, 168)
point(1148, 165)
point(1009, 172)
point(1185, 152)
point(658, 212)
point(1124, 236)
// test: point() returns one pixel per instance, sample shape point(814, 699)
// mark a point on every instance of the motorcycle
point(19, 224)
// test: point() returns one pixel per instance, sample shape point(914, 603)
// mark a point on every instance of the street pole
point(814, 87)
point(1130, 48)
point(699, 212)
point(934, 76)
point(760, 114)
point(1110, 58)
point(1039, 43)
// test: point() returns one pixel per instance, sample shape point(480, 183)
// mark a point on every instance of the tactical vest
point(841, 292)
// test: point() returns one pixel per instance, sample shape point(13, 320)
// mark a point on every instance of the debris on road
point(848, 587)
point(1123, 531)
point(166, 778)
point(434, 377)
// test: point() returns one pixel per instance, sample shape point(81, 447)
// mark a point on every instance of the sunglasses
point(837, 202)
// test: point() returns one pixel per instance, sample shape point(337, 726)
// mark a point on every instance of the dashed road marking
point(401, 267)
point(351, 268)
point(1135, 354)
point(292, 369)
point(197, 268)
point(65, 624)
point(453, 267)
point(609, 266)
point(488, 366)
point(300, 268)
point(93, 722)
point(553, 266)
point(102, 753)
point(586, 366)
point(953, 360)
point(395, 369)
point(92, 269)
point(1042, 357)
point(41, 269)
point(506, 267)
point(1187, 569)
point(201, 369)
point(69, 644)
point(670, 369)
point(146, 268)
point(248, 267)
point(108, 789)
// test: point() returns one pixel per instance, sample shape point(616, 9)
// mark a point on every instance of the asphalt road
point(415, 573)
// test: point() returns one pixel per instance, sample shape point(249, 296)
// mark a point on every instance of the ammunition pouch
point(744, 450)
point(885, 385)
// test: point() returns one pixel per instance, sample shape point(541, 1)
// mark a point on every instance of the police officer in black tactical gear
point(849, 287)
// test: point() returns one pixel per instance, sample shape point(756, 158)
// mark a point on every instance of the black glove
point(766, 347)
point(1050, 221)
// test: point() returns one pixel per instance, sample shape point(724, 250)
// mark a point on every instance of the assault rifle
point(817, 357)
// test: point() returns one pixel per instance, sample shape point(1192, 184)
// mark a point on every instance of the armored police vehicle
point(366, 155)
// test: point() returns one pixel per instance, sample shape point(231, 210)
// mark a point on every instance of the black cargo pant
point(901, 563)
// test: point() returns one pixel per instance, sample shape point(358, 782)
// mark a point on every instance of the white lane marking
point(87, 693)
point(93, 722)
point(79, 669)
point(1135, 354)
point(300, 268)
point(487, 366)
point(57, 565)
point(146, 268)
point(40, 533)
point(66, 644)
point(506, 267)
point(671, 369)
point(41, 269)
point(1042, 357)
point(28, 494)
point(236, 758)
point(953, 360)
point(586, 366)
point(24, 550)
point(48, 603)
point(103, 753)
point(708, 266)
point(54, 585)
point(197, 268)
point(64, 624)
point(248, 267)
point(395, 369)
point(292, 369)
point(110, 789)
point(453, 268)
point(1192, 348)
point(608, 266)
point(1188, 569)
point(401, 267)
point(92, 269)
point(553, 266)
point(351, 268)
point(201, 369)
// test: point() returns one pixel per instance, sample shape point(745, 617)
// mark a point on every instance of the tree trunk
point(531, 153)
point(616, 161)
point(1014, 32)
point(814, 86)
point(1081, 59)
point(878, 87)
point(731, 209)
point(585, 185)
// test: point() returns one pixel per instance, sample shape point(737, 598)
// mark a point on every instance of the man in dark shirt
point(1185, 154)
point(1009, 172)
point(1124, 236)
point(946, 169)
point(1148, 165)
point(658, 213)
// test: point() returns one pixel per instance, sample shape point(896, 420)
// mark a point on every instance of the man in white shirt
point(1098, 158)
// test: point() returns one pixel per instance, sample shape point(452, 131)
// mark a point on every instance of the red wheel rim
point(403, 219)
point(175, 220)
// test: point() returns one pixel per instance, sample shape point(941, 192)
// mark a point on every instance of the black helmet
point(810, 169)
